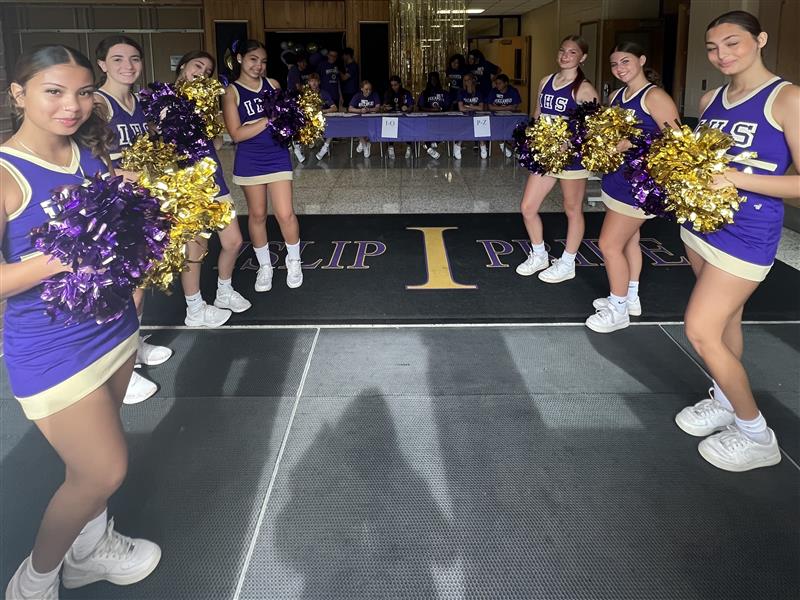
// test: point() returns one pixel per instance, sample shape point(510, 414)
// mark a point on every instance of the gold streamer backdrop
point(424, 34)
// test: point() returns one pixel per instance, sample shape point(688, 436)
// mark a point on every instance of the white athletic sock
point(32, 583)
point(224, 284)
point(262, 255)
point(568, 256)
point(293, 250)
point(618, 303)
point(538, 249)
point(194, 302)
point(755, 429)
point(90, 535)
point(720, 397)
point(633, 291)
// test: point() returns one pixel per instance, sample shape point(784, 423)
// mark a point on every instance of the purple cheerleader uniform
point(616, 190)
point(127, 126)
point(261, 159)
point(747, 247)
point(557, 102)
point(52, 365)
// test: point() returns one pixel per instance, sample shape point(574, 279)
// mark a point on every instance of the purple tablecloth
point(431, 127)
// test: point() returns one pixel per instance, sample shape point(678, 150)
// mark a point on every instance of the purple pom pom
point(649, 196)
point(576, 119)
point(520, 144)
point(110, 233)
point(286, 117)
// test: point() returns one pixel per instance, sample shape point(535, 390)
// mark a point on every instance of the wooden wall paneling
point(325, 14)
point(284, 14)
point(251, 11)
point(357, 11)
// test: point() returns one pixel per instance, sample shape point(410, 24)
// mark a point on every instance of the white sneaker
point(484, 153)
point(323, 151)
point(534, 262)
point(13, 591)
point(298, 152)
point(607, 320)
point(634, 308)
point(232, 300)
point(264, 279)
point(116, 558)
point(360, 147)
point(367, 150)
point(151, 355)
point(434, 145)
point(506, 150)
point(560, 270)
point(294, 273)
point(139, 389)
point(206, 316)
point(433, 153)
point(732, 450)
point(705, 417)
point(391, 152)
point(457, 151)
point(408, 151)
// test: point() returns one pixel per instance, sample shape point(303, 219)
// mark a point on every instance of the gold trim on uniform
point(723, 260)
point(225, 198)
point(23, 184)
point(623, 209)
point(574, 174)
point(72, 390)
point(260, 179)
point(770, 101)
point(70, 169)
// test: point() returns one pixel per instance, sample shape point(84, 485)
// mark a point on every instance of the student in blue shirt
point(349, 76)
point(503, 98)
point(365, 101)
point(398, 99)
point(298, 73)
point(328, 106)
point(455, 72)
point(484, 71)
point(432, 99)
point(329, 76)
point(470, 101)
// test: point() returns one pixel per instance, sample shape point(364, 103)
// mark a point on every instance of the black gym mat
point(345, 284)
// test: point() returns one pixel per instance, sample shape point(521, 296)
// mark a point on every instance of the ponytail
point(95, 134)
point(579, 79)
point(652, 76)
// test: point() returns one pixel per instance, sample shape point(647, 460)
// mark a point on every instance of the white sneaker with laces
point(534, 262)
point(360, 147)
point(294, 273)
point(232, 300)
point(506, 150)
point(732, 450)
point(139, 389)
point(116, 558)
point(606, 320)
point(434, 145)
point(457, 151)
point(151, 355)
point(634, 308)
point(14, 590)
point(367, 150)
point(298, 152)
point(264, 278)
point(433, 153)
point(390, 152)
point(408, 151)
point(558, 271)
point(206, 316)
point(323, 151)
point(705, 417)
point(484, 153)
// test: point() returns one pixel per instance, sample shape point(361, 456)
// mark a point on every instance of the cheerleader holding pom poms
point(262, 165)
point(619, 236)
point(199, 314)
point(762, 114)
point(70, 377)
point(558, 93)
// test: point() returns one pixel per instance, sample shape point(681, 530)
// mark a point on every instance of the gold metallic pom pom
point(549, 141)
point(149, 156)
point(604, 131)
point(311, 104)
point(205, 93)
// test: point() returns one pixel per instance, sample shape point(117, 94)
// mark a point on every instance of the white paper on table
point(481, 126)
point(417, 114)
point(389, 127)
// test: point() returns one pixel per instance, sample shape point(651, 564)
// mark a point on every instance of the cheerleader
point(364, 102)
point(469, 101)
point(120, 59)
point(432, 99)
point(328, 106)
point(762, 114)
point(558, 94)
point(199, 314)
point(619, 236)
point(69, 379)
point(261, 165)
point(398, 99)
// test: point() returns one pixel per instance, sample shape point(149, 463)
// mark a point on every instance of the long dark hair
point(635, 49)
point(430, 87)
point(584, 47)
point(94, 133)
point(240, 48)
point(101, 52)
point(461, 62)
point(191, 56)
point(741, 18)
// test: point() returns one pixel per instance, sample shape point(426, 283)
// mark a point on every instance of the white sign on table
point(481, 126)
point(389, 127)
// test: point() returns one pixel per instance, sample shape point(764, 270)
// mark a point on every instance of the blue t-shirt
point(397, 100)
point(433, 100)
point(329, 78)
point(351, 85)
point(327, 100)
point(361, 101)
point(470, 99)
point(455, 78)
point(483, 72)
point(508, 98)
point(296, 77)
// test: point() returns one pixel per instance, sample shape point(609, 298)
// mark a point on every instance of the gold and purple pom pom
point(313, 129)
point(150, 155)
point(187, 196)
point(110, 233)
point(684, 163)
point(205, 94)
point(604, 130)
point(543, 145)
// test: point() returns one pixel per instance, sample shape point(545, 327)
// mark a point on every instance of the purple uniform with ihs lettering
point(260, 159)
point(127, 126)
point(558, 102)
point(754, 235)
